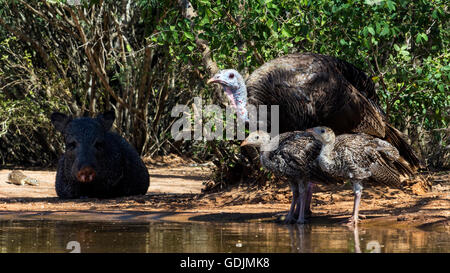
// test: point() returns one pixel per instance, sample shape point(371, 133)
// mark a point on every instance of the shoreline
point(175, 196)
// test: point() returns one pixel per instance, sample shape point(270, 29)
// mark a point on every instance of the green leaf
point(390, 5)
point(189, 35)
point(371, 30)
point(205, 2)
point(385, 31)
point(285, 33)
point(205, 20)
point(418, 38)
point(175, 37)
point(365, 32)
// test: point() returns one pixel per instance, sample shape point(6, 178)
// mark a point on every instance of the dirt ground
point(175, 194)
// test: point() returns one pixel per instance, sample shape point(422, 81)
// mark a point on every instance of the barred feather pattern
point(295, 157)
point(363, 157)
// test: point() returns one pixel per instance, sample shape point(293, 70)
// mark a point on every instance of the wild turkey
point(292, 155)
point(358, 158)
point(314, 90)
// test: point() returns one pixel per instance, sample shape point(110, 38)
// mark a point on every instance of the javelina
point(97, 162)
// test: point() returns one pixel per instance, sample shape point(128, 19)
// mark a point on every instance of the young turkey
point(358, 158)
point(293, 156)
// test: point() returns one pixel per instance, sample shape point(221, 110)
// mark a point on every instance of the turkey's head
point(323, 134)
point(234, 87)
point(256, 139)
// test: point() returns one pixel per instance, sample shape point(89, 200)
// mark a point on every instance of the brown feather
point(359, 153)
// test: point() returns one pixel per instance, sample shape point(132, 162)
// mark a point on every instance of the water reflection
point(54, 236)
point(362, 240)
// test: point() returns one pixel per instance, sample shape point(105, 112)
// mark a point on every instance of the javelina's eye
point(231, 76)
point(322, 131)
point(99, 145)
point(71, 145)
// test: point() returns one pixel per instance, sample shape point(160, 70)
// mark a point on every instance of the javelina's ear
point(107, 119)
point(60, 121)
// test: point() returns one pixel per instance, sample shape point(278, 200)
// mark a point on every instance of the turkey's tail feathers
point(395, 137)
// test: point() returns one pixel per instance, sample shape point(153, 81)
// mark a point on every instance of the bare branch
point(95, 67)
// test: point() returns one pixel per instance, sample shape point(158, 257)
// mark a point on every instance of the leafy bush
point(151, 55)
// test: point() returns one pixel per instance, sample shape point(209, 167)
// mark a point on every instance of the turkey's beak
point(244, 143)
point(311, 131)
point(214, 80)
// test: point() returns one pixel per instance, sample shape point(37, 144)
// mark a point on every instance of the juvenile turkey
point(292, 155)
point(358, 158)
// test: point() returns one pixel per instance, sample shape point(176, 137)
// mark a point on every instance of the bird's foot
point(350, 222)
point(301, 222)
point(289, 219)
point(308, 214)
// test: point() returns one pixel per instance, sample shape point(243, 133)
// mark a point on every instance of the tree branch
point(211, 66)
point(95, 67)
point(51, 66)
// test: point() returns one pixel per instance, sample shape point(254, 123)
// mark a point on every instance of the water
point(64, 236)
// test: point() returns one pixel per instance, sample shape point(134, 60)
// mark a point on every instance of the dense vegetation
point(142, 57)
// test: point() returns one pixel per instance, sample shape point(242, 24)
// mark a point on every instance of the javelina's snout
point(86, 174)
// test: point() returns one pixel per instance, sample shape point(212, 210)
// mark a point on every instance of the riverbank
point(175, 194)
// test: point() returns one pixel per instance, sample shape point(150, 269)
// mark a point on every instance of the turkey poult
point(358, 158)
point(314, 90)
point(292, 155)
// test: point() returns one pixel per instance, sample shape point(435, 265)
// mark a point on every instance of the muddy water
point(63, 236)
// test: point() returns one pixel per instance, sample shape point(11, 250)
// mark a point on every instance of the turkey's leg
point(302, 202)
point(309, 193)
point(290, 217)
point(357, 189)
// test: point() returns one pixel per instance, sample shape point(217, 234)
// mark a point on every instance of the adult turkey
point(292, 155)
point(314, 90)
point(359, 158)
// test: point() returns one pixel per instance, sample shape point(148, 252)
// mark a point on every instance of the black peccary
point(97, 162)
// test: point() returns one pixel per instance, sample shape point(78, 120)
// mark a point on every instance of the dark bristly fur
point(313, 89)
point(115, 164)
